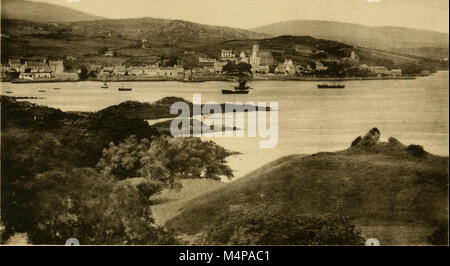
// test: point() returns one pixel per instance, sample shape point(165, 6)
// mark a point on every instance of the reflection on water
point(310, 120)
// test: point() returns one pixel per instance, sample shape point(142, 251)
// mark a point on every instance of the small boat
point(41, 90)
point(235, 91)
point(331, 86)
point(125, 89)
point(9, 92)
point(105, 85)
point(241, 89)
point(56, 88)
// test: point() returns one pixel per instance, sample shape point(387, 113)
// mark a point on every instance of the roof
point(55, 62)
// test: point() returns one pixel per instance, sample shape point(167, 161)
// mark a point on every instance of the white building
point(56, 67)
point(286, 68)
point(243, 58)
point(396, 72)
point(226, 54)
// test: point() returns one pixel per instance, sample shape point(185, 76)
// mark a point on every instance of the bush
point(165, 159)
point(416, 150)
point(285, 229)
point(440, 235)
point(93, 208)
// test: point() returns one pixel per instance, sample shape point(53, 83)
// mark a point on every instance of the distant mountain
point(164, 30)
point(42, 12)
point(385, 38)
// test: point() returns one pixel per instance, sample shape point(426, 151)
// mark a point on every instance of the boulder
point(356, 141)
point(371, 138)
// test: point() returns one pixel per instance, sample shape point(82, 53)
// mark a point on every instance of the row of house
point(31, 69)
point(153, 71)
point(261, 62)
point(382, 71)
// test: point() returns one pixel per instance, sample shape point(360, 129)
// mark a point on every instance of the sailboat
point(125, 89)
point(105, 85)
point(331, 86)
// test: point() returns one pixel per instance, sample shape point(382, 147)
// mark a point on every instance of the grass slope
point(385, 38)
point(84, 38)
point(169, 203)
point(392, 192)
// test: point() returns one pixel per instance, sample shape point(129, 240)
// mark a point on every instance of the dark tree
point(83, 75)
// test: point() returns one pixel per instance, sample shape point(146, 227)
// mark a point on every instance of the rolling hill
point(384, 38)
point(81, 37)
point(32, 29)
point(395, 193)
point(280, 47)
point(165, 31)
point(84, 38)
point(169, 203)
point(43, 12)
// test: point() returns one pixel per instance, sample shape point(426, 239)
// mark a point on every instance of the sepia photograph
point(224, 123)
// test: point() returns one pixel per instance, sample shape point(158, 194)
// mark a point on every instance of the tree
point(83, 73)
point(189, 61)
point(166, 160)
point(230, 68)
point(240, 70)
point(33, 136)
point(244, 69)
point(102, 50)
point(92, 74)
point(67, 66)
point(92, 207)
point(282, 228)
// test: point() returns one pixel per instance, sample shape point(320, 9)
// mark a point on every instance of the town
point(265, 64)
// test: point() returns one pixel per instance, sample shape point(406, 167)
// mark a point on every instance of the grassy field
point(169, 203)
point(388, 191)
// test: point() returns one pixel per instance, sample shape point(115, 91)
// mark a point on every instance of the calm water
point(310, 120)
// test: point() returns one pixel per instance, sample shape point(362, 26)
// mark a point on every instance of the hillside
point(170, 39)
point(281, 44)
point(390, 191)
point(275, 49)
point(43, 12)
point(162, 30)
point(84, 39)
point(169, 203)
point(384, 38)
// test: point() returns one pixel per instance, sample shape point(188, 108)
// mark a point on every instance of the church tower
point(255, 61)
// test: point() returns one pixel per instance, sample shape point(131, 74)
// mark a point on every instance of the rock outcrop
point(370, 139)
point(371, 143)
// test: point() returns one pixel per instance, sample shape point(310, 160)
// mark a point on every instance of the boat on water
point(235, 92)
point(331, 86)
point(125, 89)
point(241, 89)
point(9, 92)
point(56, 88)
point(105, 85)
point(41, 90)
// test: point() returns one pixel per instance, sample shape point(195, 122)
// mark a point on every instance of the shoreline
point(318, 79)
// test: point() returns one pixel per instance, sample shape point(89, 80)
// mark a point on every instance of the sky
point(420, 14)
